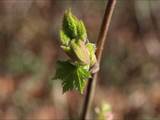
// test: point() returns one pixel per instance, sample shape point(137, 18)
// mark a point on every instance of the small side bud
point(91, 47)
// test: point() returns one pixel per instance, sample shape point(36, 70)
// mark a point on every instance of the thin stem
point(100, 46)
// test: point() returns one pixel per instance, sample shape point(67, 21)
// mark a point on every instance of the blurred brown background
point(130, 71)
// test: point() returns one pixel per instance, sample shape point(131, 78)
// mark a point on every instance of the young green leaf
point(81, 31)
point(73, 76)
point(70, 24)
point(64, 38)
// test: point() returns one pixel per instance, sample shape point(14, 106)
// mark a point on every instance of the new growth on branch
point(75, 71)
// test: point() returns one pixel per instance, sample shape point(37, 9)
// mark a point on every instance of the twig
point(100, 46)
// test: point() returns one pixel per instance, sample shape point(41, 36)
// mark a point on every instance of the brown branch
point(100, 46)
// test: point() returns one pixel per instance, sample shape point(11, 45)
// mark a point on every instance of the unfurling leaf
point(81, 52)
point(72, 27)
point(70, 24)
point(73, 76)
